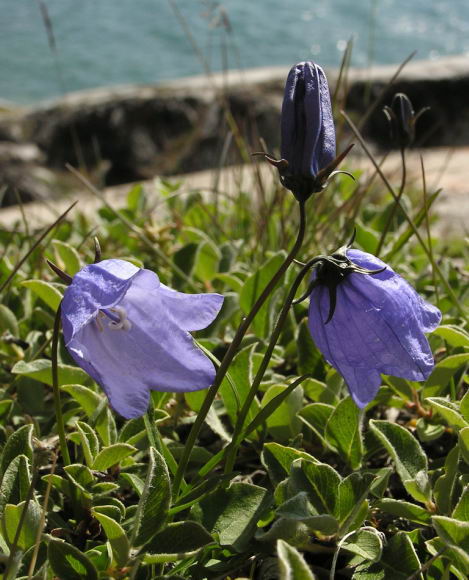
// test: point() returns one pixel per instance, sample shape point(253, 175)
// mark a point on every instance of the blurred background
point(98, 43)
point(128, 90)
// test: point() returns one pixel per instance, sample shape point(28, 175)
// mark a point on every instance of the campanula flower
point(307, 132)
point(402, 119)
point(377, 323)
point(130, 333)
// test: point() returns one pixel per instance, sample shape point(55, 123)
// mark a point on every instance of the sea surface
point(50, 47)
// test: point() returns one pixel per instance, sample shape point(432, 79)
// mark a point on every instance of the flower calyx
point(333, 270)
point(303, 186)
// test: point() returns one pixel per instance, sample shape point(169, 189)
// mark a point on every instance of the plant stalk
point(56, 389)
point(233, 348)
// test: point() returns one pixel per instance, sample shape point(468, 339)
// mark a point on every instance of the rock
point(133, 133)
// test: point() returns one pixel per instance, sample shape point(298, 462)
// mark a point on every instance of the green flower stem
point(395, 206)
point(409, 220)
point(56, 389)
point(230, 353)
point(238, 431)
point(156, 441)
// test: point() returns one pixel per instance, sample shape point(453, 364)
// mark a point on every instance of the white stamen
point(123, 323)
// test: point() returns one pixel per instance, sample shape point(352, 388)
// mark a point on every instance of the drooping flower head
point(402, 119)
point(130, 333)
point(376, 324)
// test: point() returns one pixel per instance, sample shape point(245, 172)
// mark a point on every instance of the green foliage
point(315, 484)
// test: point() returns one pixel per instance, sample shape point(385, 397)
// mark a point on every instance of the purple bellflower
point(130, 333)
point(308, 135)
point(367, 320)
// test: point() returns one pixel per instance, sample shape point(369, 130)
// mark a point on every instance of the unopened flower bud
point(402, 119)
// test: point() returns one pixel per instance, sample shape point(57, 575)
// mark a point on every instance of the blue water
point(109, 42)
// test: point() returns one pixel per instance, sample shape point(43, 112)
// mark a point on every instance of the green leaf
point(409, 457)
point(81, 477)
point(283, 423)
point(112, 455)
point(19, 443)
point(134, 481)
point(351, 506)
point(89, 442)
point(445, 485)
point(449, 411)
point(68, 257)
point(117, 537)
point(453, 335)
point(405, 509)
point(207, 259)
point(8, 321)
point(443, 372)
point(343, 431)
point(428, 431)
point(316, 416)
point(95, 407)
point(365, 543)
point(278, 460)
point(299, 508)
point(69, 562)
point(253, 288)
point(464, 443)
point(319, 480)
point(46, 292)
point(461, 511)
point(41, 370)
point(235, 387)
point(86, 397)
point(307, 352)
point(398, 562)
point(16, 481)
point(11, 519)
point(152, 511)
point(232, 513)
point(291, 563)
point(455, 534)
point(176, 542)
point(464, 406)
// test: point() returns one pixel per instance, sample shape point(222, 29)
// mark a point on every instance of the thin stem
point(236, 439)
point(231, 352)
point(409, 220)
point(56, 389)
point(42, 521)
point(427, 228)
point(12, 558)
point(395, 206)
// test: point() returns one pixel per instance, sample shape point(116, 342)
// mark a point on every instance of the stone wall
point(126, 134)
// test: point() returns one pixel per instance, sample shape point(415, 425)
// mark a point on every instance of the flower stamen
point(118, 318)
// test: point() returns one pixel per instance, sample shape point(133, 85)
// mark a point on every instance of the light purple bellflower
point(130, 333)
point(307, 127)
point(378, 326)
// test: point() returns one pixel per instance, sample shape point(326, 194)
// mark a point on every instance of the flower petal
point(378, 327)
point(191, 311)
point(155, 353)
point(93, 288)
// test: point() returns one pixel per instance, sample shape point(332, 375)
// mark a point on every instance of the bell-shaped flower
point(376, 326)
point(308, 156)
point(130, 333)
